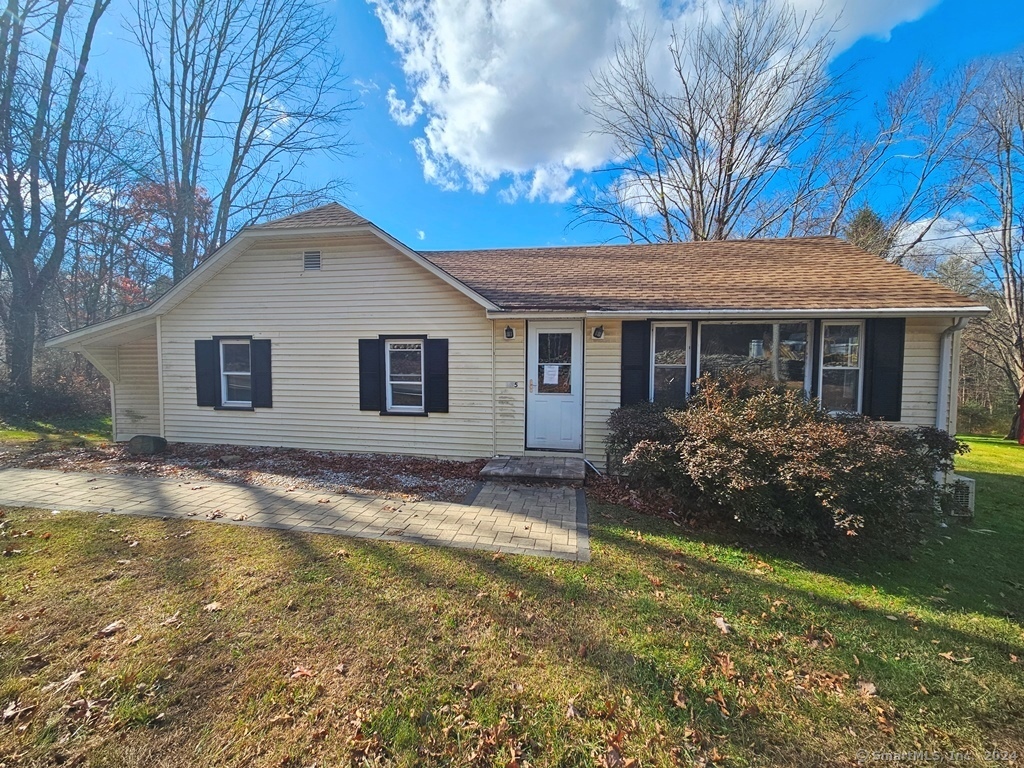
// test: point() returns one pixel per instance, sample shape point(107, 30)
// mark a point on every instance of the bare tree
point(699, 157)
point(55, 135)
point(242, 95)
point(998, 209)
point(748, 136)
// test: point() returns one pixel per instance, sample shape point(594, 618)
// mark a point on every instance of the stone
point(145, 445)
point(230, 459)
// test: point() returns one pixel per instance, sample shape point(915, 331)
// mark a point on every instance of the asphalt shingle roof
point(794, 273)
point(330, 215)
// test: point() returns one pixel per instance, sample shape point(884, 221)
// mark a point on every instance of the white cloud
point(501, 84)
point(401, 112)
point(421, 235)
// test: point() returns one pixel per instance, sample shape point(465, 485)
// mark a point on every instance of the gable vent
point(310, 261)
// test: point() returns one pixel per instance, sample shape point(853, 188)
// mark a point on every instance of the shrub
point(771, 460)
point(62, 387)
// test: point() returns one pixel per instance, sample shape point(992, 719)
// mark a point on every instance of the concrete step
point(536, 469)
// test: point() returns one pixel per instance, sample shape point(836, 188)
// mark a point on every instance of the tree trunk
point(21, 335)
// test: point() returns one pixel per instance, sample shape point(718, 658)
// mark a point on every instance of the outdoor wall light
point(599, 332)
point(510, 332)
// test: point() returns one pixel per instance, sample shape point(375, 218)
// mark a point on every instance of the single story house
point(320, 330)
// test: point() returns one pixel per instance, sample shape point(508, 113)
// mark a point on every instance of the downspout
point(945, 369)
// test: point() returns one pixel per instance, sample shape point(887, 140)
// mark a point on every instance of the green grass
point(458, 658)
point(54, 433)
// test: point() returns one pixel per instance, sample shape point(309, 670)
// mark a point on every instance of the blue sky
point(490, 91)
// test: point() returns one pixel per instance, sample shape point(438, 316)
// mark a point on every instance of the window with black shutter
point(233, 373)
point(403, 375)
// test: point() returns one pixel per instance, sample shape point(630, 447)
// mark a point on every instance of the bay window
point(767, 351)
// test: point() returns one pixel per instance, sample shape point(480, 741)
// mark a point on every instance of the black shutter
point(883, 367)
point(259, 355)
point(636, 362)
point(435, 374)
point(207, 373)
point(371, 376)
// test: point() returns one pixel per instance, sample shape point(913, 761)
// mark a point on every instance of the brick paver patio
point(530, 520)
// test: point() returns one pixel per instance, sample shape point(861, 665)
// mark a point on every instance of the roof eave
point(701, 314)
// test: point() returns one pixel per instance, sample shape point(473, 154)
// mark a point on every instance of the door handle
point(531, 385)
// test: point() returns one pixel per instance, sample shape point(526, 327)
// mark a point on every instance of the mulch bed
point(405, 477)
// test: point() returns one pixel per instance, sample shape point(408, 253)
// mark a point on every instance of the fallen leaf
point(175, 619)
point(723, 626)
point(133, 641)
point(282, 719)
point(949, 656)
point(725, 664)
point(214, 606)
point(70, 680)
point(341, 669)
point(571, 713)
point(111, 629)
point(301, 671)
point(15, 709)
point(867, 688)
point(679, 699)
point(475, 688)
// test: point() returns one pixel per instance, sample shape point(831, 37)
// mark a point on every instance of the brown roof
point(794, 273)
point(330, 215)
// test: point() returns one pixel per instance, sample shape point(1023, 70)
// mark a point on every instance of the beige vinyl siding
point(136, 393)
point(314, 320)
point(921, 370)
point(601, 380)
point(509, 388)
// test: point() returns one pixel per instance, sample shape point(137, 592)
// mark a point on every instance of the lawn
point(132, 642)
point(44, 434)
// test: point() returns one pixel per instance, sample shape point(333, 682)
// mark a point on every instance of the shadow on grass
point(624, 637)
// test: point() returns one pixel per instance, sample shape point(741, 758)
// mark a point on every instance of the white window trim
point(224, 375)
point(860, 362)
point(808, 354)
point(422, 408)
point(689, 341)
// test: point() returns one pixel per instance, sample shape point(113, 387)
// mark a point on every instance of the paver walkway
point(515, 519)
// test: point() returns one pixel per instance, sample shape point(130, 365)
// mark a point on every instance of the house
point(321, 331)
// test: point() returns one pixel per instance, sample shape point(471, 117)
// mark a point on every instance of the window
point(669, 363)
point(403, 361)
point(772, 351)
point(235, 373)
point(554, 363)
point(841, 367)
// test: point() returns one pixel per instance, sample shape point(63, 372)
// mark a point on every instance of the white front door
point(554, 395)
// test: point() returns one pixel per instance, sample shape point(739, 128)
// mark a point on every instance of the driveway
point(527, 520)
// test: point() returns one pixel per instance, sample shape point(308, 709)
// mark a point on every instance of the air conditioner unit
point(962, 500)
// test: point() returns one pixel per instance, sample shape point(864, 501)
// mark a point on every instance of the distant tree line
point(105, 202)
